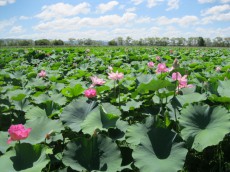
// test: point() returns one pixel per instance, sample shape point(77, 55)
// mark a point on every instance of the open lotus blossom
point(182, 80)
point(218, 68)
point(161, 67)
point(158, 58)
point(42, 74)
point(18, 132)
point(116, 75)
point(90, 93)
point(96, 81)
point(150, 64)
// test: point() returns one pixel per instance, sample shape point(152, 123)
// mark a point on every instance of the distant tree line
point(165, 41)
point(120, 41)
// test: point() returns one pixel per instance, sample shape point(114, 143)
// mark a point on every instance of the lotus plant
point(176, 76)
point(18, 132)
point(150, 64)
point(218, 69)
point(96, 81)
point(116, 77)
point(90, 93)
point(42, 74)
point(110, 68)
point(158, 58)
point(161, 67)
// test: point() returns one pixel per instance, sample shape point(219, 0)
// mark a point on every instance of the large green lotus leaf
point(135, 133)
point(38, 82)
point(25, 157)
point(110, 109)
point(22, 105)
point(98, 153)
point(73, 91)
point(42, 98)
point(3, 142)
point(18, 95)
point(190, 98)
point(40, 128)
point(156, 149)
point(216, 98)
point(102, 117)
point(59, 99)
point(131, 105)
point(35, 112)
point(204, 126)
point(75, 113)
point(145, 78)
point(153, 85)
point(223, 88)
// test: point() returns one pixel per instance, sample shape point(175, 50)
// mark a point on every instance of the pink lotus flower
point(182, 80)
point(150, 64)
point(18, 132)
point(42, 74)
point(161, 67)
point(96, 81)
point(158, 58)
point(115, 76)
point(90, 93)
point(218, 69)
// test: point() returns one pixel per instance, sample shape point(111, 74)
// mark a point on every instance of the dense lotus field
point(147, 109)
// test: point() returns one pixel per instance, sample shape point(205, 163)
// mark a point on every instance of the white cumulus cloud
point(16, 29)
point(130, 9)
point(153, 3)
point(173, 4)
point(4, 24)
point(183, 21)
point(87, 22)
point(5, 2)
point(137, 2)
point(225, 1)
point(211, 1)
point(216, 9)
point(103, 8)
point(216, 17)
point(205, 1)
point(61, 10)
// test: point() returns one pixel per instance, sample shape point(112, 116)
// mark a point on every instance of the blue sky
point(108, 19)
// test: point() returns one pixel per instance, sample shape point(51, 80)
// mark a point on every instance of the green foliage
point(204, 126)
point(95, 153)
point(142, 122)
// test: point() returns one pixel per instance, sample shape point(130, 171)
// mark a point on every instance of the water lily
point(18, 132)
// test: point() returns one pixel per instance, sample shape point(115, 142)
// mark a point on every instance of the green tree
point(58, 42)
point(201, 42)
point(42, 42)
point(25, 42)
point(112, 43)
